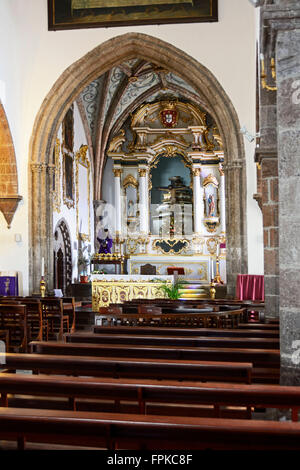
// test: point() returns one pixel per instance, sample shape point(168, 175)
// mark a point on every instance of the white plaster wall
point(69, 214)
point(32, 58)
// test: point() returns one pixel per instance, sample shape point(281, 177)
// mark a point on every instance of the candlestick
point(217, 279)
point(212, 290)
point(42, 287)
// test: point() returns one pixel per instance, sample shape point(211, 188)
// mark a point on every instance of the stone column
point(144, 201)
point(281, 40)
point(236, 246)
point(42, 234)
point(288, 80)
point(118, 213)
point(98, 205)
point(198, 201)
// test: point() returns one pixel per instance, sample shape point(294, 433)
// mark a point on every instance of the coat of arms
point(169, 115)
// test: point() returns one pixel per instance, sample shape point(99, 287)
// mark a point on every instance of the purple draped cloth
point(9, 285)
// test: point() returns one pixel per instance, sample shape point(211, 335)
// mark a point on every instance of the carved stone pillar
point(281, 41)
point(236, 246)
point(42, 226)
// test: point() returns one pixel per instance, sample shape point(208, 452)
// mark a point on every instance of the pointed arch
point(67, 88)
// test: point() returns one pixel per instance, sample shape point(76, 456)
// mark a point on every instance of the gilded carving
point(82, 159)
point(117, 141)
point(117, 172)
point(211, 244)
point(130, 180)
point(210, 179)
point(142, 172)
point(196, 171)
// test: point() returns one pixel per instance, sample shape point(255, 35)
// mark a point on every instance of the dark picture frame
point(77, 14)
point(68, 181)
point(68, 129)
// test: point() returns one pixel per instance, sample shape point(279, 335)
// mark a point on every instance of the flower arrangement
point(173, 291)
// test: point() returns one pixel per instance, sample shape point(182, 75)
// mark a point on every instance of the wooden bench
point(173, 331)
point(266, 362)
point(206, 319)
point(135, 368)
point(120, 431)
point(148, 396)
point(185, 341)
point(259, 357)
point(260, 326)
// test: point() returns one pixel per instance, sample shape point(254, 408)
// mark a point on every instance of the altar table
point(111, 289)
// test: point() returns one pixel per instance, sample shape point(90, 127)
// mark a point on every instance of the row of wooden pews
point(23, 319)
point(149, 387)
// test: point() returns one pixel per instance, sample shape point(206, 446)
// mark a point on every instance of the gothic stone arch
point(65, 91)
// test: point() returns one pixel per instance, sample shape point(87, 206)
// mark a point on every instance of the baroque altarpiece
point(169, 192)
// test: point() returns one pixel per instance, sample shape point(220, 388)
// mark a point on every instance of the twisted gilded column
point(144, 202)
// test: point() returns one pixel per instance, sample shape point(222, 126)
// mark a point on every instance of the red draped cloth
point(250, 287)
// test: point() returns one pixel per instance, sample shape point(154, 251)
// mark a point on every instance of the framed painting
point(75, 14)
point(68, 130)
point(68, 181)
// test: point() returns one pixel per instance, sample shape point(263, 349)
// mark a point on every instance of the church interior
point(149, 161)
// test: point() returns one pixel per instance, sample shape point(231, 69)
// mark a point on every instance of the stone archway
point(62, 244)
point(65, 91)
point(9, 197)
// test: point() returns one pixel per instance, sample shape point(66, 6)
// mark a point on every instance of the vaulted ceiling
point(108, 101)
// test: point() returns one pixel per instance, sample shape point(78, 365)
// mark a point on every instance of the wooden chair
point(148, 269)
point(13, 318)
point(37, 327)
point(69, 309)
point(54, 317)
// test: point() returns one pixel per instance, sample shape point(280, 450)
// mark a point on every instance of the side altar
point(114, 288)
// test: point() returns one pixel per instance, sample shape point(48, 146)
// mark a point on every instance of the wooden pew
point(149, 396)
point(135, 368)
point(204, 319)
point(185, 341)
point(259, 357)
point(120, 431)
point(261, 326)
point(266, 362)
point(173, 331)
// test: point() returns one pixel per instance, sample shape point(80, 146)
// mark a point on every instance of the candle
point(43, 267)
point(212, 269)
point(218, 249)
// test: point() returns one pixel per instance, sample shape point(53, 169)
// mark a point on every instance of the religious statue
point(105, 241)
point(177, 192)
point(211, 205)
point(130, 208)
